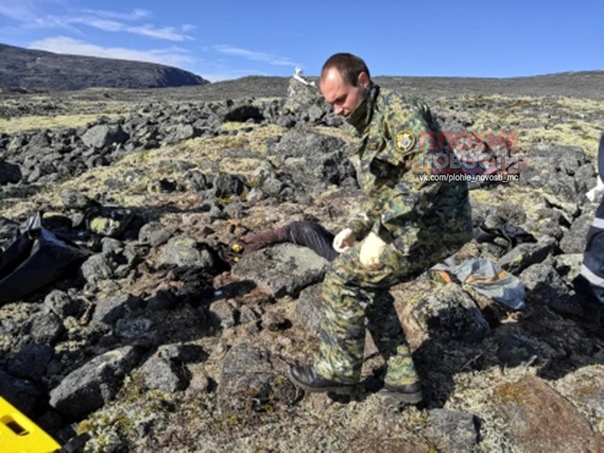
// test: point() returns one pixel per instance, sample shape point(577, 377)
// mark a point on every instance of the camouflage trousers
point(355, 299)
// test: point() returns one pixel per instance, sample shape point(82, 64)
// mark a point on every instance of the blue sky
point(225, 39)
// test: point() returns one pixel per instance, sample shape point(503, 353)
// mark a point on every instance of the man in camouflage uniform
point(408, 225)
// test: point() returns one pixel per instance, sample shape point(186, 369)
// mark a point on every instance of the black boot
point(305, 377)
point(409, 394)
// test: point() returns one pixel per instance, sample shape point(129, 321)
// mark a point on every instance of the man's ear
point(363, 80)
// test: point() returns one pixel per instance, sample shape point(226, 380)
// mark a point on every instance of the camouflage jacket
point(394, 154)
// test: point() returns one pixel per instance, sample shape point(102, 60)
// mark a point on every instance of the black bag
point(34, 258)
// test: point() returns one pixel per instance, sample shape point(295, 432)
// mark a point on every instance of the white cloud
point(106, 25)
point(136, 14)
point(21, 10)
point(255, 56)
point(110, 21)
point(172, 56)
point(167, 33)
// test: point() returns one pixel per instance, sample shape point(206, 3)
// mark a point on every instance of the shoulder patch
point(405, 141)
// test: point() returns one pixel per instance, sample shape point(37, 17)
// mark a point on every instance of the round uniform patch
point(405, 141)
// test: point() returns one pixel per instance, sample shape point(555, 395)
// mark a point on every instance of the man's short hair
point(348, 65)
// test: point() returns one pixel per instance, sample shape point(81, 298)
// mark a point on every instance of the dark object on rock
point(307, 233)
point(106, 221)
point(9, 172)
point(34, 258)
point(513, 235)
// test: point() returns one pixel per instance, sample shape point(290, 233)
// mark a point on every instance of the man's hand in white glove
point(344, 240)
point(371, 251)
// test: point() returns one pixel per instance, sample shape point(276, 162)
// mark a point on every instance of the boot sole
point(408, 398)
point(339, 389)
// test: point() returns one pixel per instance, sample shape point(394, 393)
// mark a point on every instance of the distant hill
point(36, 70)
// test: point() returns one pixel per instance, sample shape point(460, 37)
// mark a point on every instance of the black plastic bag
point(34, 258)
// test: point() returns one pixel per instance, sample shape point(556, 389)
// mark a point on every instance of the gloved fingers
point(344, 240)
point(339, 247)
point(371, 251)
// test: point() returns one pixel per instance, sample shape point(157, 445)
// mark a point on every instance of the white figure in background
point(300, 78)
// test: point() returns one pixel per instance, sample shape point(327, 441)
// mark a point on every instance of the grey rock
point(300, 96)
point(133, 328)
point(103, 135)
point(544, 285)
point(111, 245)
point(596, 402)
point(43, 328)
point(247, 315)
point(182, 132)
point(154, 233)
point(312, 160)
point(308, 309)
point(21, 393)
point(244, 113)
point(568, 265)
point(62, 304)
point(110, 309)
point(31, 361)
point(200, 181)
point(182, 353)
point(447, 314)
point(94, 384)
point(514, 350)
point(226, 185)
point(554, 168)
point(185, 251)
point(98, 267)
point(525, 255)
point(161, 374)
point(274, 320)
point(451, 430)
point(283, 269)
point(74, 199)
point(573, 240)
point(224, 313)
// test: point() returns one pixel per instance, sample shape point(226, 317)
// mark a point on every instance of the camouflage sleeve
point(409, 195)
point(364, 221)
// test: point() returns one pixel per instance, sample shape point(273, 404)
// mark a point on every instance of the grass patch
point(28, 123)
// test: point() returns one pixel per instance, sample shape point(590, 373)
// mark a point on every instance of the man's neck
point(361, 116)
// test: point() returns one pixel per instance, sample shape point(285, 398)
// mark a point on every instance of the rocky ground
point(168, 338)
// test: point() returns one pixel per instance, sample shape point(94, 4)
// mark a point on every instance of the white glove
point(344, 240)
point(595, 194)
point(371, 250)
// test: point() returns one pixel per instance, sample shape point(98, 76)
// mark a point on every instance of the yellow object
point(18, 434)
point(237, 248)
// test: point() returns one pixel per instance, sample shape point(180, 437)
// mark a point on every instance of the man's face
point(343, 96)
